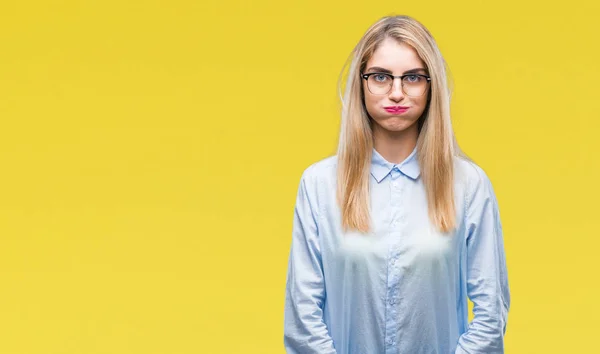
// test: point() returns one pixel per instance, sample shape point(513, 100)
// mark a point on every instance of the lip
point(396, 109)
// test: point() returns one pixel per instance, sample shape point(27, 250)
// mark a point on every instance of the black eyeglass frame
point(401, 77)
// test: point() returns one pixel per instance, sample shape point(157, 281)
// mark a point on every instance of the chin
point(396, 130)
point(397, 127)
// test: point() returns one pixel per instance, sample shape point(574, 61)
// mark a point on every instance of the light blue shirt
point(402, 288)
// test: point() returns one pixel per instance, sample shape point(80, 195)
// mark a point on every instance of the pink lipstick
point(396, 109)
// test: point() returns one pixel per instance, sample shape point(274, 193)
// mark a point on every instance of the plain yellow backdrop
point(151, 152)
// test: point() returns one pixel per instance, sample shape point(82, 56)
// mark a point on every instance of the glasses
point(412, 84)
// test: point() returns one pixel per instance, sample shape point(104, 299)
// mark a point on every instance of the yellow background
point(151, 152)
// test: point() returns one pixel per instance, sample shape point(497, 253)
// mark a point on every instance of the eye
point(413, 78)
point(380, 77)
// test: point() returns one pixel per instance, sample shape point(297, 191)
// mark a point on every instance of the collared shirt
point(403, 287)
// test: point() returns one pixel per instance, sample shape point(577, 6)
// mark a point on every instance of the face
point(395, 111)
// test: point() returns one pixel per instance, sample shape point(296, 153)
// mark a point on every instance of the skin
point(395, 136)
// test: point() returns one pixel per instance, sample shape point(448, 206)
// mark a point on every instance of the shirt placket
point(397, 220)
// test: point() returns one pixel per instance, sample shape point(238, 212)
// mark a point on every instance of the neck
point(395, 146)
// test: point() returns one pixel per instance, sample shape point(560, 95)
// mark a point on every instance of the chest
point(401, 230)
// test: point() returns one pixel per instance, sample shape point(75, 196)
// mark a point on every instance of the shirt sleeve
point(304, 329)
point(487, 280)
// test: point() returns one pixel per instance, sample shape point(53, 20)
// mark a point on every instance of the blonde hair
point(436, 144)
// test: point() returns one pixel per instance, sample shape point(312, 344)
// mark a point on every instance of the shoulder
point(318, 182)
point(320, 172)
point(475, 180)
point(470, 172)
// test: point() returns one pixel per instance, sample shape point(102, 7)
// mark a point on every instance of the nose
point(396, 93)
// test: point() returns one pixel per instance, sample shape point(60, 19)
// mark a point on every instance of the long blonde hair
point(436, 144)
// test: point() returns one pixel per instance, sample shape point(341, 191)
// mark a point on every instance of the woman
point(392, 234)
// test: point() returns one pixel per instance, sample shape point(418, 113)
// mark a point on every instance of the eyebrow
point(386, 71)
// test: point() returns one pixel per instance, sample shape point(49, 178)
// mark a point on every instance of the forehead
point(395, 56)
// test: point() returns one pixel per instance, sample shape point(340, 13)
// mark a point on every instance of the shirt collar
point(380, 167)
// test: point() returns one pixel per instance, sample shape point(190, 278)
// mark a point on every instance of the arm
point(304, 329)
point(487, 280)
